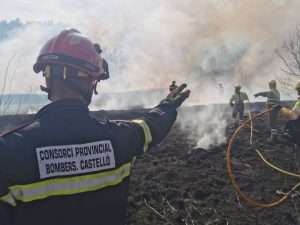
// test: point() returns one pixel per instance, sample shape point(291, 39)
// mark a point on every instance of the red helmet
point(71, 48)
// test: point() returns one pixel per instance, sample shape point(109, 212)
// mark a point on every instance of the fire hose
point(229, 167)
point(251, 123)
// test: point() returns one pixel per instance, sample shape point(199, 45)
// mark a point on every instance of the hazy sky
point(148, 43)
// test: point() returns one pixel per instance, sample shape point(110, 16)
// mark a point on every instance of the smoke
point(206, 125)
point(21, 48)
point(150, 43)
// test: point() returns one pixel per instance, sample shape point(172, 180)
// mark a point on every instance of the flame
point(164, 80)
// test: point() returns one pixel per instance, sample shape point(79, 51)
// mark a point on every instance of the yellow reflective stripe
point(47, 72)
point(65, 73)
point(8, 198)
point(133, 161)
point(81, 74)
point(147, 133)
point(69, 186)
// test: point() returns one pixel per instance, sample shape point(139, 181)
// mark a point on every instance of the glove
point(277, 107)
point(177, 97)
point(231, 104)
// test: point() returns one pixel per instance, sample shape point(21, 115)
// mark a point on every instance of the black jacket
point(66, 168)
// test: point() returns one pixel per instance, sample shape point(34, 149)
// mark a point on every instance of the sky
point(149, 43)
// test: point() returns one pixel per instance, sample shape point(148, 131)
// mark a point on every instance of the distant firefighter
point(237, 102)
point(293, 126)
point(273, 98)
point(221, 88)
point(173, 86)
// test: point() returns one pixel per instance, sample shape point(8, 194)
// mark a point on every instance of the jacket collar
point(63, 108)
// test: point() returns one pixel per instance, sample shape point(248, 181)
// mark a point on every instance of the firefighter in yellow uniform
point(294, 116)
point(237, 103)
point(273, 98)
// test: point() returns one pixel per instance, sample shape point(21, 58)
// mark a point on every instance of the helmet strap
point(47, 90)
point(86, 95)
point(95, 86)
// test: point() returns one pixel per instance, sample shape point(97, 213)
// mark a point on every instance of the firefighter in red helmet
point(65, 167)
point(70, 55)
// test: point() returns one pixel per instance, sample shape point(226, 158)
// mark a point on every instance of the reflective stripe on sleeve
point(133, 161)
point(296, 111)
point(8, 199)
point(69, 186)
point(147, 133)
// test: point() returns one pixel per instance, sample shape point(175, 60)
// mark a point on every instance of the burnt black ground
point(191, 186)
point(176, 184)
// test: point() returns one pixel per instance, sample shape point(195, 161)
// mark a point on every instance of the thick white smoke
point(21, 48)
point(150, 43)
point(206, 125)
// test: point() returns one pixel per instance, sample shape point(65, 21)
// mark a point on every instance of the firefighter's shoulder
point(17, 129)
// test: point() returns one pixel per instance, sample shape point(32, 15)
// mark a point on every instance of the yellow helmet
point(297, 86)
point(272, 83)
point(237, 86)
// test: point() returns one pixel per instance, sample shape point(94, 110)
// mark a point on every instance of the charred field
point(176, 183)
